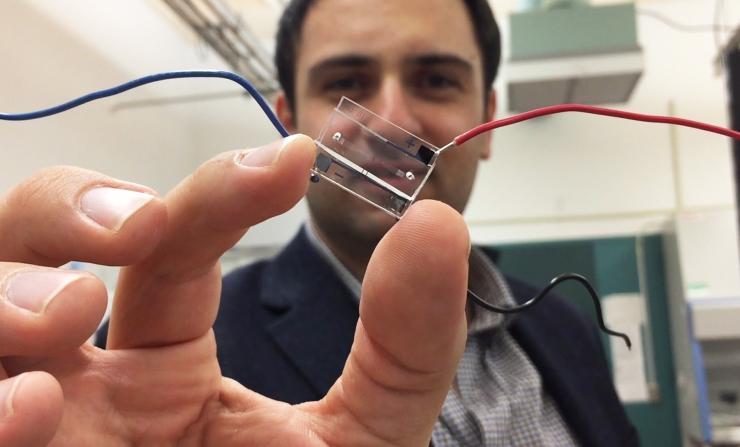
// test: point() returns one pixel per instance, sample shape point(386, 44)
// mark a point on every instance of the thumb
point(411, 332)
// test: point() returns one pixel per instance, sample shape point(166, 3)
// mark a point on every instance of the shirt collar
point(344, 274)
point(483, 278)
point(488, 283)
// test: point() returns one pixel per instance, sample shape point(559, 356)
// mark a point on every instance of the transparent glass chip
point(373, 158)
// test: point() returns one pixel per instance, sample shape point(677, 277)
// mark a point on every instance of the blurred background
point(646, 211)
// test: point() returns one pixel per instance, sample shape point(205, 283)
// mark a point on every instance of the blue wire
point(148, 80)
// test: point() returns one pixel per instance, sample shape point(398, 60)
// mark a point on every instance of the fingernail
point(112, 207)
point(265, 155)
point(7, 391)
point(34, 290)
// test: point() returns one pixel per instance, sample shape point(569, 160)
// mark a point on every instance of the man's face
point(415, 63)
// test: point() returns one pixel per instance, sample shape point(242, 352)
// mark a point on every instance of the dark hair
point(291, 24)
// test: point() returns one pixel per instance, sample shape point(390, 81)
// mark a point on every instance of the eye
point(343, 84)
point(437, 85)
point(437, 81)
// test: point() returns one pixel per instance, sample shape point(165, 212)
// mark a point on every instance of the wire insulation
point(557, 280)
point(550, 110)
point(148, 80)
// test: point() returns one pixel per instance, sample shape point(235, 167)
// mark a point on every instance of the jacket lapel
point(317, 319)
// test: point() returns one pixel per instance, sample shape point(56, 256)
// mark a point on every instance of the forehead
point(386, 30)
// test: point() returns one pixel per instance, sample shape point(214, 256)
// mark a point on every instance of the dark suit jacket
point(285, 327)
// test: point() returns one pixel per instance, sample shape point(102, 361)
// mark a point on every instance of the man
point(430, 73)
point(159, 382)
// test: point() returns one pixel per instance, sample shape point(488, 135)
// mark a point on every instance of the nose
point(395, 105)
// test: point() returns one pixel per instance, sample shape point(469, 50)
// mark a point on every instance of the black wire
point(557, 280)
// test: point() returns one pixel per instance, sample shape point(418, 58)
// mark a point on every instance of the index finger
point(173, 295)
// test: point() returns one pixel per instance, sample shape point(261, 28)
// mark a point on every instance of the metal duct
point(224, 30)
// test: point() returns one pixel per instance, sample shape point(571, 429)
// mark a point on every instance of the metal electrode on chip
point(373, 158)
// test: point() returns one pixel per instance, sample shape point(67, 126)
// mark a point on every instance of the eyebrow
point(345, 61)
point(434, 59)
point(361, 61)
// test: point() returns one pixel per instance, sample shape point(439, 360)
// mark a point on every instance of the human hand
point(159, 382)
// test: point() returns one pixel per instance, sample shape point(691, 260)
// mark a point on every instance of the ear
point(284, 113)
point(489, 115)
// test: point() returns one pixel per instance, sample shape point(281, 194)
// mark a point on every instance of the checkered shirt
point(497, 397)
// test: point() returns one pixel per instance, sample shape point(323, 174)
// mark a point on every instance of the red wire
point(462, 138)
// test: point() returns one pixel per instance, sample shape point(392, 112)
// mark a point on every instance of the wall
point(47, 61)
point(577, 176)
point(44, 64)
